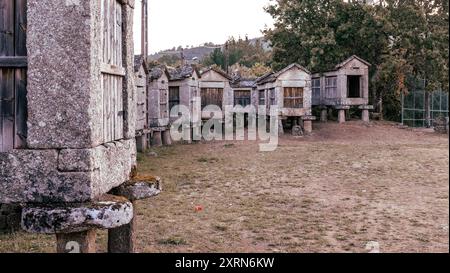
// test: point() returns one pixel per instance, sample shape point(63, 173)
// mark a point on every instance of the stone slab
point(106, 213)
point(140, 188)
point(366, 107)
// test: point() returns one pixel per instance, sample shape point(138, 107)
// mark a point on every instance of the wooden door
point(13, 75)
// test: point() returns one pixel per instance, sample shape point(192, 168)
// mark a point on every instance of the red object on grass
point(198, 208)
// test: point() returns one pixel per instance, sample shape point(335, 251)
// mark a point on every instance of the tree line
point(404, 40)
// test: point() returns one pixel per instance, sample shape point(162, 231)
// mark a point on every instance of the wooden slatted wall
point(113, 72)
point(13, 75)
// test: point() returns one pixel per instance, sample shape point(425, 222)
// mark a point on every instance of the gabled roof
point(157, 72)
point(217, 70)
point(139, 60)
point(183, 72)
point(271, 77)
point(351, 59)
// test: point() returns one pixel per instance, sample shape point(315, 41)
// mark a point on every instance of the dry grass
point(334, 191)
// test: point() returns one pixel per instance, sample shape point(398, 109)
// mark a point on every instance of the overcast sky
point(194, 22)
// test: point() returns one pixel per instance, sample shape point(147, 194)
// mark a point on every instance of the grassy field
point(335, 191)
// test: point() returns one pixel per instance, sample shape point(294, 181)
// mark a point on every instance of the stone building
point(290, 90)
point(142, 128)
point(184, 90)
point(158, 106)
point(346, 86)
point(70, 116)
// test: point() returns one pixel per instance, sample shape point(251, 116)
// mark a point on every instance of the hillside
point(199, 52)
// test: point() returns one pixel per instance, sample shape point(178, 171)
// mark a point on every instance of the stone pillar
point(280, 127)
point(341, 116)
point(307, 123)
point(330, 113)
point(142, 143)
point(324, 114)
point(80, 242)
point(365, 115)
point(166, 138)
point(342, 109)
point(122, 239)
point(157, 139)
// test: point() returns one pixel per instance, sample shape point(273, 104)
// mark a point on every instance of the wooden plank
point(20, 27)
point(7, 109)
point(119, 113)
point(21, 112)
point(2, 149)
point(6, 28)
point(112, 70)
point(13, 62)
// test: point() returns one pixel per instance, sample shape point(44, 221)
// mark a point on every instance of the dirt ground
point(335, 191)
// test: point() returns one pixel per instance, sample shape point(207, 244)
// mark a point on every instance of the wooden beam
point(13, 62)
point(113, 70)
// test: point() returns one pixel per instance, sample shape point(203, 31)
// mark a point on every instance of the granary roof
point(271, 76)
point(239, 82)
point(157, 72)
point(217, 70)
point(139, 60)
point(183, 72)
point(350, 59)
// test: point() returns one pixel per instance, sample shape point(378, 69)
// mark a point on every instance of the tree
point(402, 39)
point(238, 51)
point(419, 46)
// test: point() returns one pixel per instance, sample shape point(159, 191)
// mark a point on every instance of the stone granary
point(215, 90)
point(342, 88)
point(290, 90)
point(142, 128)
point(184, 90)
point(158, 106)
point(68, 119)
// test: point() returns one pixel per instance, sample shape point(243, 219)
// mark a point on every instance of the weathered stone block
point(59, 74)
point(70, 176)
point(140, 188)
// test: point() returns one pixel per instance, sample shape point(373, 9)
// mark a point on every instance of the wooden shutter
point(13, 67)
point(112, 70)
point(212, 96)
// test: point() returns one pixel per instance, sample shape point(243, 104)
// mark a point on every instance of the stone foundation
point(68, 175)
